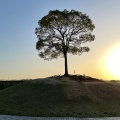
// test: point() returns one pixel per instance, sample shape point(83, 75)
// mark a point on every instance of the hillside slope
point(61, 97)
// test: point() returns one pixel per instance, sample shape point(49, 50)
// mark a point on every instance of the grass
point(61, 97)
point(6, 84)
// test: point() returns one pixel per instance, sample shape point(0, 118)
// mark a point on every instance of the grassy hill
point(61, 96)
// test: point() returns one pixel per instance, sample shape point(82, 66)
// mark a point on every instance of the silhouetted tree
point(62, 32)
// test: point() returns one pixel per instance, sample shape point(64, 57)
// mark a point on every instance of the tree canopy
point(62, 32)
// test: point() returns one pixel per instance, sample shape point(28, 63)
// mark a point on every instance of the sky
point(18, 55)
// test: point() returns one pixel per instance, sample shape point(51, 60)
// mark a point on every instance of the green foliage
point(62, 32)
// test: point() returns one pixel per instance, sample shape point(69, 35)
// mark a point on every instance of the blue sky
point(18, 55)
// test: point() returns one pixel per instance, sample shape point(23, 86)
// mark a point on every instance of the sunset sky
point(18, 55)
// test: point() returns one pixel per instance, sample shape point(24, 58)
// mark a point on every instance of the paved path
point(8, 117)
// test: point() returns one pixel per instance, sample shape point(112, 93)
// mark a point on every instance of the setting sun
point(113, 62)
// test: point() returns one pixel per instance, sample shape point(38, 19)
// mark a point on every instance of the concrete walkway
point(8, 117)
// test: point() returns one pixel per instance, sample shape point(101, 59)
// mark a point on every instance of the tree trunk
point(66, 66)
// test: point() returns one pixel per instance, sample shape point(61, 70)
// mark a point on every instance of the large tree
point(62, 32)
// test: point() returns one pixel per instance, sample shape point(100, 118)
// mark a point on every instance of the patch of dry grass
point(61, 96)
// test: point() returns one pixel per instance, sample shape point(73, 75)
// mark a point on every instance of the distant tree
point(62, 32)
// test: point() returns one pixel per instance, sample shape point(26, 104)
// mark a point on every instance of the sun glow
point(113, 62)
